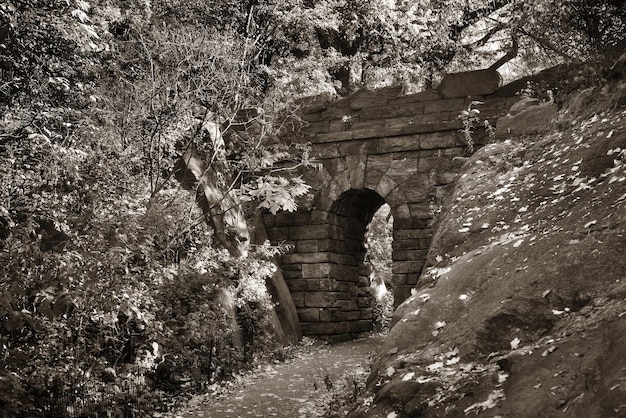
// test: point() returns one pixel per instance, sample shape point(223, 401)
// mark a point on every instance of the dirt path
point(292, 389)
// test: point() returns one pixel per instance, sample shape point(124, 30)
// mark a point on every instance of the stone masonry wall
point(375, 147)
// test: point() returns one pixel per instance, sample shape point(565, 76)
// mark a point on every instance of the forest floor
point(320, 380)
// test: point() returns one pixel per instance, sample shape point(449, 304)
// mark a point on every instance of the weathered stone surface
point(374, 98)
point(437, 140)
point(445, 105)
point(409, 266)
point(308, 232)
point(470, 83)
point(405, 278)
point(530, 121)
point(316, 270)
point(314, 104)
point(398, 143)
point(422, 96)
point(401, 169)
point(309, 314)
point(385, 186)
point(321, 299)
point(307, 246)
point(376, 132)
point(299, 258)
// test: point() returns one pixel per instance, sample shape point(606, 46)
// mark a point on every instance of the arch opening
point(350, 216)
point(379, 258)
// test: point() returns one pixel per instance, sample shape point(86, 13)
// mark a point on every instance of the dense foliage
point(112, 276)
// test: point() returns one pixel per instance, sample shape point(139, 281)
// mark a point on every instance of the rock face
point(526, 117)
point(521, 311)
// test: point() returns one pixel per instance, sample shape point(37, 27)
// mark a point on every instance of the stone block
point(411, 233)
point(326, 150)
point(364, 302)
point(318, 270)
point(400, 121)
point(444, 105)
point(360, 326)
point(375, 167)
point(346, 273)
point(437, 140)
point(398, 143)
point(307, 246)
point(312, 117)
point(374, 98)
point(348, 304)
point(419, 189)
point(421, 210)
point(308, 232)
point(330, 315)
point(348, 260)
point(319, 328)
point(304, 285)
point(385, 186)
point(309, 314)
point(405, 278)
point(400, 294)
point(367, 313)
point(298, 298)
point(470, 83)
point(396, 197)
point(320, 127)
point(406, 109)
point(337, 109)
point(350, 316)
point(406, 244)
point(401, 212)
point(410, 224)
point(358, 147)
point(361, 124)
point(356, 170)
point(404, 168)
point(330, 245)
point(330, 137)
point(422, 96)
point(408, 266)
point(292, 274)
point(332, 285)
point(409, 255)
point(435, 126)
point(278, 234)
point(307, 258)
point(321, 299)
point(377, 132)
point(314, 104)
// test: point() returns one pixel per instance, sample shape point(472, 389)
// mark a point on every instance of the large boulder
point(470, 83)
point(526, 117)
point(522, 310)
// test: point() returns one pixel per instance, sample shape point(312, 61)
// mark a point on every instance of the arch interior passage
point(326, 274)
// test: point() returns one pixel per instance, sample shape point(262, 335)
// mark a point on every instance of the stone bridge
point(375, 147)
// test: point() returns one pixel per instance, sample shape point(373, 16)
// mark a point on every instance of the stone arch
point(373, 147)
